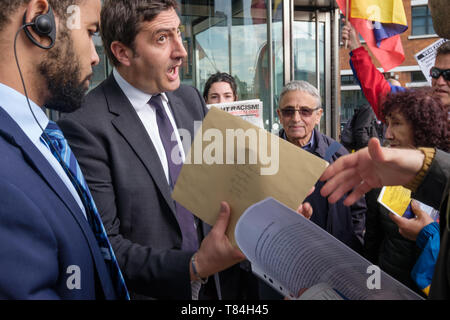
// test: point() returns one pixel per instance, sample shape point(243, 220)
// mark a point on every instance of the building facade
point(263, 49)
point(297, 39)
point(419, 35)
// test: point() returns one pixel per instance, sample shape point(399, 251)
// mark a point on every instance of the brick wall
point(410, 46)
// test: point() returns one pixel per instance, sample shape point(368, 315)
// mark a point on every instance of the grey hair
point(304, 86)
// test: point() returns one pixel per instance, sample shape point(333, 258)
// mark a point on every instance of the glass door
point(234, 37)
point(309, 54)
point(262, 49)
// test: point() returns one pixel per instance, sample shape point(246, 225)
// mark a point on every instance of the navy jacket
point(344, 223)
point(46, 242)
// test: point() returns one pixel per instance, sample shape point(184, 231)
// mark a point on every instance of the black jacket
point(344, 223)
point(435, 191)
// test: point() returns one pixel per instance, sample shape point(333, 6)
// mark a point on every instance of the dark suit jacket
point(42, 230)
point(130, 189)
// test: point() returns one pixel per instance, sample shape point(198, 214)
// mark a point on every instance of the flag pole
point(346, 20)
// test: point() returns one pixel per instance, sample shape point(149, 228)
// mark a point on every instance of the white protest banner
point(249, 110)
point(426, 57)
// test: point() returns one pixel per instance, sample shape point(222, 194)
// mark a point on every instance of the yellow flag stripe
point(384, 11)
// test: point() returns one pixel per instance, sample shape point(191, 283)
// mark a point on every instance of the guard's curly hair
point(426, 113)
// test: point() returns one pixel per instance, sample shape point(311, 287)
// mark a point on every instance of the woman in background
point(219, 88)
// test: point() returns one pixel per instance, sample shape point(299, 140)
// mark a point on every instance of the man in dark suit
point(124, 136)
point(48, 249)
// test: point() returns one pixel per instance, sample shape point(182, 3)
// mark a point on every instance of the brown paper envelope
point(212, 174)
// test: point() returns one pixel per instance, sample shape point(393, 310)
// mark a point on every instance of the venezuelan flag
point(380, 23)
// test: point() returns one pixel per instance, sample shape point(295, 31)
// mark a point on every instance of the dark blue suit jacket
point(47, 249)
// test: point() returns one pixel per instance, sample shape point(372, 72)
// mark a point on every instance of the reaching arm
point(368, 168)
point(434, 182)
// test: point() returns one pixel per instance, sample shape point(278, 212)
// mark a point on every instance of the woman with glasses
point(299, 112)
point(414, 118)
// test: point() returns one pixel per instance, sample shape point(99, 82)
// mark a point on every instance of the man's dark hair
point(443, 49)
point(220, 77)
point(121, 20)
point(8, 7)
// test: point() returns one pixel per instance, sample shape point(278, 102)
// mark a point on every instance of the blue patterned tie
point(60, 149)
point(184, 216)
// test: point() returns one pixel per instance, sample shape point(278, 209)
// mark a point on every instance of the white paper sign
point(249, 110)
point(426, 58)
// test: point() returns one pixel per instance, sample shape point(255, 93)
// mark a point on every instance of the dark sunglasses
point(435, 73)
point(303, 111)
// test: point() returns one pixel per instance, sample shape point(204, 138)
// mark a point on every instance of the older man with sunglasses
point(299, 112)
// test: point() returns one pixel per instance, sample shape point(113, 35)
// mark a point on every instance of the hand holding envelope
point(232, 160)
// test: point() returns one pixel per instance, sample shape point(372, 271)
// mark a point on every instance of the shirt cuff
point(429, 156)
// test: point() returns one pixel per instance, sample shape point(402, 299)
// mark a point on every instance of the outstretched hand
point(368, 168)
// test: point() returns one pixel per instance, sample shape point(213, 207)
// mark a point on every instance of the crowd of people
point(86, 210)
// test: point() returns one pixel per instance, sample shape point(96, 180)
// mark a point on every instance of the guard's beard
point(61, 71)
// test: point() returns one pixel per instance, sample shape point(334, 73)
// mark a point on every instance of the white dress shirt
point(147, 114)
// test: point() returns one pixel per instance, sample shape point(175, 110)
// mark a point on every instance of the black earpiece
point(44, 25)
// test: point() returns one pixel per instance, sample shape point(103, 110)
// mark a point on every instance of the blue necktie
point(60, 149)
point(184, 216)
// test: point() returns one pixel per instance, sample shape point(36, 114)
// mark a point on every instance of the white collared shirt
point(147, 114)
point(15, 104)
